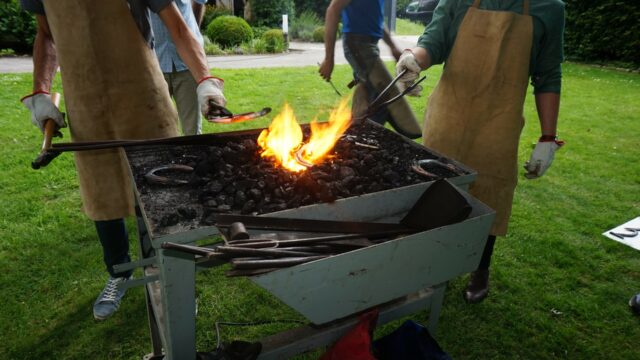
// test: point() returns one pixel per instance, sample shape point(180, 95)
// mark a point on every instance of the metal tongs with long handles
point(222, 115)
point(376, 105)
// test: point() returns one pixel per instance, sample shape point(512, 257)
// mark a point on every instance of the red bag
point(356, 344)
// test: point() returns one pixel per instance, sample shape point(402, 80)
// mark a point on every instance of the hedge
point(604, 30)
point(229, 31)
point(17, 27)
point(319, 7)
point(269, 12)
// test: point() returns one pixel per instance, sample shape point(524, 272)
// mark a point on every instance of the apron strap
point(525, 6)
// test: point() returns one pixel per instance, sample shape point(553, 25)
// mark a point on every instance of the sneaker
point(109, 299)
point(634, 304)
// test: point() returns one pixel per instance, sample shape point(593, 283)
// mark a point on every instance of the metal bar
point(291, 224)
point(138, 282)
point(118, 268)
point(320, 239)
point(241, 264)
point(240, 251)
point(436, 307)
point(189, 249)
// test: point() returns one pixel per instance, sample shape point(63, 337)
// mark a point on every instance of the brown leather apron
point(474, 114)
point(113, 89)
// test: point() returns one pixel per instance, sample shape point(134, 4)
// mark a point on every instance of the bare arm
point(198, 11)
point(548, 106)
point(189, 49)
point(45, 60)
point(395, 51)
point(332, 18)
point(422, 57)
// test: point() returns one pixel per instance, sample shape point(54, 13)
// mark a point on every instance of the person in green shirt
point(491, 48)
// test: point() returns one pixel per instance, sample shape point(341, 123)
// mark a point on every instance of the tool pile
point(285, 242)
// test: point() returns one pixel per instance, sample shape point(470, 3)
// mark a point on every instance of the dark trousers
point(115, 244)
point(486, 254)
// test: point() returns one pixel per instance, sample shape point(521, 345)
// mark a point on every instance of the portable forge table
point(400, 276)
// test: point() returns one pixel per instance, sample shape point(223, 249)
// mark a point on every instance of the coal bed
point(229, 176)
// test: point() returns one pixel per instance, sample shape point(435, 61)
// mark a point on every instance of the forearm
point(548, 106)
point(386, 37)
point(422, 57)
point(45, 60)
point(189, 49)
point(198, 11)
point(332, 18)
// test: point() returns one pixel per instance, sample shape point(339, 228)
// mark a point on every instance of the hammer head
point(44, 158)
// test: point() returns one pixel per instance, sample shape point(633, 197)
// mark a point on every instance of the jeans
point(115, 244)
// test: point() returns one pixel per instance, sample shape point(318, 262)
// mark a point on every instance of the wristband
point(35, 93)
point(210, 77)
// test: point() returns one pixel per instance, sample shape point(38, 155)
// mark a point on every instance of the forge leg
point(436, 306)
point(177, 271)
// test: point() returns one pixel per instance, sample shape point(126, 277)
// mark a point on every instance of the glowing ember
point(283, 139)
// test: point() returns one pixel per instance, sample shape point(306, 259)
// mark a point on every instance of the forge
point(370, 174)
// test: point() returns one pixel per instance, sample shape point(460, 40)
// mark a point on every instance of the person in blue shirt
point(182, 85)
point(362, 28)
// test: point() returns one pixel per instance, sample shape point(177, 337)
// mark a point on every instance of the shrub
point(274, 40)
point(318, 34)
point(17, 27)
point(211, 48)
point(317, 7)
point(229, 31)
point(606, 30)
point(211, 12)
point(259, 30)
point(269, 12)
point(304, 25)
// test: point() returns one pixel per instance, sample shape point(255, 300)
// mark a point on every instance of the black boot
point(478, 286)
point(634, 304)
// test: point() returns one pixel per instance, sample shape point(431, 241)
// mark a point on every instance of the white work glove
point(210, 90)
point(542, 156)
point(408, 61)
point(43, 109)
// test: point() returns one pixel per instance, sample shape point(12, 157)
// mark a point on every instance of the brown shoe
point(478, 286)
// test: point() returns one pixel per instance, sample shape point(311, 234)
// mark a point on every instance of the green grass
point(554, 258)
point(407, 27)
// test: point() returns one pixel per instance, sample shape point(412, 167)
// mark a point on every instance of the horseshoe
point(153, 178)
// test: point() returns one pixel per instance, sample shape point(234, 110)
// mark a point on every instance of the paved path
point(300, 54)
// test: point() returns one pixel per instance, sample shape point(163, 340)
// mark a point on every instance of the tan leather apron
point(474, 114)
point(113, 89)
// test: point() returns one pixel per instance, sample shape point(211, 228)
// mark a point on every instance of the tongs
point(221, 115)
point(376, 105)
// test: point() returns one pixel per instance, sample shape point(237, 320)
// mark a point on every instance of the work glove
point(408, 61)
point(209, 92)
point(42, 109)
point(542, 156)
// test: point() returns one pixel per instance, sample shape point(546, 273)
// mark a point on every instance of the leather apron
point(113, 89)
point(474, 114)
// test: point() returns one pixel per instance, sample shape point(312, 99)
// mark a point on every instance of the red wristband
point(210, 77)
point(551, 138)
point(35, 93)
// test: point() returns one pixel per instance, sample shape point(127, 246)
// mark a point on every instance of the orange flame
point(283, 139)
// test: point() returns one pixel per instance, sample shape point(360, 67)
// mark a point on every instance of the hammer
point(50, 130)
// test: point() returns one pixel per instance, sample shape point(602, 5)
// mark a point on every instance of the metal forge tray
point(401, 276)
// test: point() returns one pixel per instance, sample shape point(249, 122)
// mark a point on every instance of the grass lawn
point(559, 288)
point(407, 27)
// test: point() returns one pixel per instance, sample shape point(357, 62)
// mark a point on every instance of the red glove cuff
point(35, 93)
point(210, 77)
point(550, 138)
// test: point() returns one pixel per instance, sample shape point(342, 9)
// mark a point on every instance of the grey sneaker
point(634, 304)
point(109, 299)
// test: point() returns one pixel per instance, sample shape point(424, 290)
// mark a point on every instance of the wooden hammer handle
point(50, 126)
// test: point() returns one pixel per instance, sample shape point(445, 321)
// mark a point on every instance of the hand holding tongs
point(221, 115)
point(376, 105)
